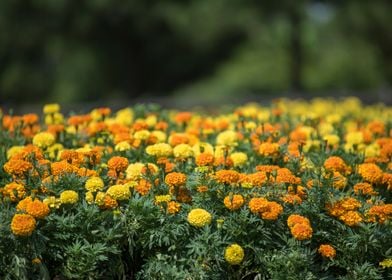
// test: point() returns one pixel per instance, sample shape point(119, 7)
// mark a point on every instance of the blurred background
point(192, 52)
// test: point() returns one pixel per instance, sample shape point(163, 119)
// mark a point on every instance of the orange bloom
point(173, 207)
point(269, 149)
point(17, 167)
point(143, 187)
point(301, 231)
point(37, 209)
point(118, 164)
point(183, 117)
point(364, 189)
point(22, 205)
point(23, 224)
point(175, 179)
point(294, 219)
point(327, 251)
point(351, 218)
point(204, 159)
point(336, 163)
point(258, 205)
point(370, 172)
point(227, 176)
point(14, 191)
point(234, 202)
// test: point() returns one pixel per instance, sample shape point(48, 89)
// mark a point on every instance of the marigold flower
point(143, 187)
point(227, 176)
point(69, 197)
point(370, 172)
point(159, 150)
point(109, 202)
point(182, 151)
point(173, 207)
point(327, 251)
point(301, 231)
point(294, 219)
point(52, 202)
point(37, 209)
point(234, 254)
point(162, 198)
point(269, 149)
point(364, 189)
point(17, 167)
point(51, 108)
point(387, 263)
point(227, 138)
point(43, 139)
point(351, 218)
point(234, 202)
point(94, 184)
point(258, 205)
point(199, 217)
point(175, 179)
point(119, 164)
point(204, 159)
point(336, 163)
point(23, 224)
point(22, 205)
point(119, 192)
point(239, 158)
point(14, 191)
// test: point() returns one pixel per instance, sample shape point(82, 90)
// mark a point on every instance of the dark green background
point(82, 51)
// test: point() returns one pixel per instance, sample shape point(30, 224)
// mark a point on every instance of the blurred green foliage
point(96, 49)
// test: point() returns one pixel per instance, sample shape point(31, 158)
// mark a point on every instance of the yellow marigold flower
point(370, 172)
point(124, 116)
point(351, 218)
point(159, 150)
point(227, 138)
point(69, 197)
point(354, 138)
point(387, 263)
point(134, 170)
point(94, 184)
point(159, 135)
point(100, 198)
point(13, 151)
point(119, 192)
point(122, 146)
point(301, 231)
point(234, 254)
point(23, 224)
point(51, 108)
point(175, 179)
point(162, 198)
point(199, 217)
point(234, 202)
point(89, 197)
point(327, 251)
point(202, 147)
point(239, 158)
point(141, 134)
point(43, 139)
point(332, 139)
point(37, 209)
point(182, 151)
point(52, 202)
point(173, 207)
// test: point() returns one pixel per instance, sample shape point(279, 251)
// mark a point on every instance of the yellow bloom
point(51, 108)
point(239, 158)
point(69, 197)
point(160, 135)
point(52, 202)
point(386, 263)
point(227, 138)
point(89, 197)
point(162, 198)
point(234, 254)
point(199, 217)
point(122, 146)
point(141, 135)
point(119, 192)
point(159, 150)
point(182, 151)
point(94, 184)
point(43, 139)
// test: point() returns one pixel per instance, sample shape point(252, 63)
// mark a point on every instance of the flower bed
point(294, 190)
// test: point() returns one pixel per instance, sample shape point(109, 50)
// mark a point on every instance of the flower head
point(327, 251)
point(199, 217)
point(69, 197)
point(23, 224)
point(234, 254)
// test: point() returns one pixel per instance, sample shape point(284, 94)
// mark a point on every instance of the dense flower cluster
point(299, 184)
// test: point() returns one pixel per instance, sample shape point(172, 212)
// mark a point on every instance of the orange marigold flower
point(62, 167)
point(387, 180)
point(227, 176)
point(269, 149)
point(109, 202)
point(273, 211)
point(173, 207)
point(350, 203)
point(284, 175)
point(23, 224)
point(183, 117)
point(364, 189)
point(370, 172)
point(202, 189)
point(204, 159)
point(143, 187)
point(327, 251)
point(336, 163)
point(351, 218)
point(119, 164)
point(258, 205)
point(294, 219)
point(22, 205)
point(292, 199)
point(17, 167)
point(301, 231)
point(234, 202)
point(380, 213)
point(37, 209)
point(14, 191)
point(339, 181)
point(175, 179)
